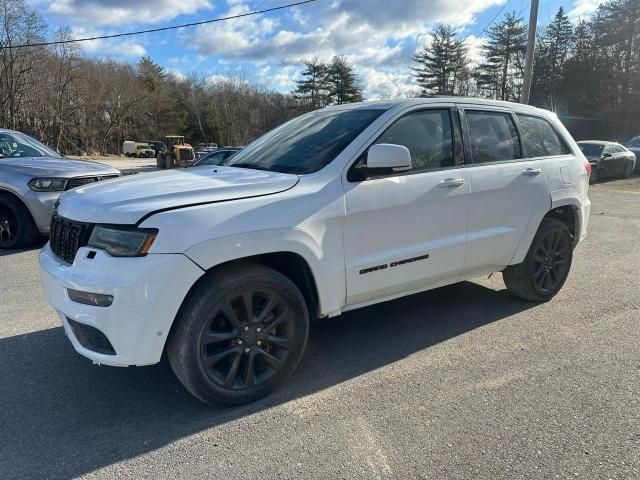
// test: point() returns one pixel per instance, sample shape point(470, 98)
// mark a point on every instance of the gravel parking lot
point(460, 382)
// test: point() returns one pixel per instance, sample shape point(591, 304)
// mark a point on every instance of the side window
point(608, 148)
point(428, 136)
point(540, 139)
point(618, 149)
point(493, 136)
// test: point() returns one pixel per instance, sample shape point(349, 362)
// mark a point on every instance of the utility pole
point(531, 46)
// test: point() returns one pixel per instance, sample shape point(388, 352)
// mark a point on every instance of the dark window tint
point(307, 143)
point(428, 136)
point(591, 149)
point(540, 139)
point(493, 137)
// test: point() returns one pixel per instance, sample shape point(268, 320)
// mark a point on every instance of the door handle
point(532, 172)
point(451, 182)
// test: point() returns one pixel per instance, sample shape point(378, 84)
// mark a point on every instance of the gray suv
point(32, 177)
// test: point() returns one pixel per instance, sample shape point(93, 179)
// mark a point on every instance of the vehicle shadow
point(37, 246)
point(62, 417)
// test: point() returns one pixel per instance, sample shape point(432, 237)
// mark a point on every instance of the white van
point(129, 148)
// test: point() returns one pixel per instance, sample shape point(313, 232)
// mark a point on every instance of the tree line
point(588, 73)
point(78, 104)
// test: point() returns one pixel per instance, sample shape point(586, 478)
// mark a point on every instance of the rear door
point(505, 186)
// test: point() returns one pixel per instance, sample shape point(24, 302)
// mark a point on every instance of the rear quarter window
point(540, 139)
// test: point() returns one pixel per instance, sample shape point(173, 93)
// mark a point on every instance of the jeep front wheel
point(546, 267)
point(241, 332)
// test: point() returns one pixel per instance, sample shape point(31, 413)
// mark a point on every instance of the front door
point(407, 231)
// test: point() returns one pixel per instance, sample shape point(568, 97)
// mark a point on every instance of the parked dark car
point(634, 146)
point(608, 159)
point(157, 146)
point(218, 157)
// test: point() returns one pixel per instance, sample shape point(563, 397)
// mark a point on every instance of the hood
point(55, 167)
point(127, 199)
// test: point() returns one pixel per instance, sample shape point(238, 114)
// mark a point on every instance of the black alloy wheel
point(240, 333)
point(546, 266)
point(247, 340)
point(8, 227)
point(551, 261)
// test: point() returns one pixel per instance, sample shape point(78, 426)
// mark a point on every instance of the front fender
point(328, 273)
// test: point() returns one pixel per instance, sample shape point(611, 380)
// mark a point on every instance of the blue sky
point(378, 36)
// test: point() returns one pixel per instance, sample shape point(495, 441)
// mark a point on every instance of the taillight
point(587, 167)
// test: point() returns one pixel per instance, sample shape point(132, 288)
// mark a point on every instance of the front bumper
point(147, 292)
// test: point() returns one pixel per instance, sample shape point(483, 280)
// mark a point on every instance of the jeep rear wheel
point(241, 332)
point(546, 267)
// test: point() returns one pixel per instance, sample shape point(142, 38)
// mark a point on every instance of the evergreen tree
point(500, 76)
point(343, 82)
point(151, 74)
point(312, 88)
point(443, 64)
point(558, 43)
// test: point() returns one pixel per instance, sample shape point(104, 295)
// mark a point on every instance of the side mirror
point(607, 155)
point(389, 156)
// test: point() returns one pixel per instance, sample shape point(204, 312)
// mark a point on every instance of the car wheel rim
point(247, 340)
point(551, 261)
point(8, 226)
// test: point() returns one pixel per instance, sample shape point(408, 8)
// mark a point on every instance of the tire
point(549, 258)
point(168, 161)
point(215, 345)
point(595, 176)
point(628, 170)
point(17, 228)
point(160, 161)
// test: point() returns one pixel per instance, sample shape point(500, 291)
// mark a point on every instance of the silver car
point(32, 177)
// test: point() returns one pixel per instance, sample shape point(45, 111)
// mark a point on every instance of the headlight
point(47, 184)
point(123, 242)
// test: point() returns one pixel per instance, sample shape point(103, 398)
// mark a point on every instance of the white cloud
point(379, 37)
point(125, 12)
point(583, 7)
point(109, 47)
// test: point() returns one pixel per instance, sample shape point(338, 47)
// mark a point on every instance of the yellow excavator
point(175, 154)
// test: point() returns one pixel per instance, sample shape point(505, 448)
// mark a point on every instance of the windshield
point(15, 145)
point(307, 143)
point(215, 159)
point(591, 149)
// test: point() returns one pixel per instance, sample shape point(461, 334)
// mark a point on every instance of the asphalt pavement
point(460, 382)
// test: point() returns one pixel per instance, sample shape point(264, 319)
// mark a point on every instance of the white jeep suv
point(224, 267)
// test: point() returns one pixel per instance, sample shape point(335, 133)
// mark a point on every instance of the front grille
point(80, 181)
point(91, 338)
point(67, 237)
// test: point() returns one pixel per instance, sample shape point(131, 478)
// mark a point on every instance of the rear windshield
point(307, 143)
point(591, 149)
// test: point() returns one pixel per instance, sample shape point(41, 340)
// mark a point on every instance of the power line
point(163, 29)
point(485, 29)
